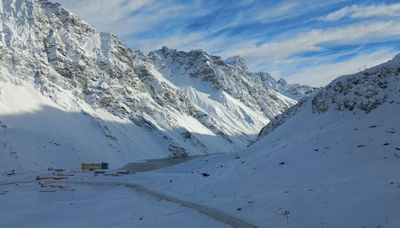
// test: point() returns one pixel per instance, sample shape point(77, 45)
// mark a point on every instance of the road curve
point(210, 212)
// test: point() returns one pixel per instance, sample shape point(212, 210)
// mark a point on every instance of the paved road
point(153, 165)
point(16, 182)
point(210, 212)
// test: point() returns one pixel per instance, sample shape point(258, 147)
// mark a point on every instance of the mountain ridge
point(330, 160)
point(363, 91)
point(52, 53)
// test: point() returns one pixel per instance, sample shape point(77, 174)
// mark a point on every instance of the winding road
point(210, 212)
point(144, 166)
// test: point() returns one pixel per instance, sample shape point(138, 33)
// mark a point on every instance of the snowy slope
point(64, 82)
point(70, 205)
point(330, 161)
point(361, 92)
point(38, 133)
point(230, 76)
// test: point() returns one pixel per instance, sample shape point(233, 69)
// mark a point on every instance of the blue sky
point(304, 41)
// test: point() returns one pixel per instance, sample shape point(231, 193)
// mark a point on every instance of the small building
point(92, 166)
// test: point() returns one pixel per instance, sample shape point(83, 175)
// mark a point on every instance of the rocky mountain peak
point(364, 91)
point(282, 82)
point(181, 102)
point(238, 61)
point(359, 93)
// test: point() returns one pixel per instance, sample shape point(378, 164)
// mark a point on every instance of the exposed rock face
point(231, 76)
point(193, 101)
point(363, 91)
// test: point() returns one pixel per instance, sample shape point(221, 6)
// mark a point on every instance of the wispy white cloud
point(277, 11)
point(103, 15)
point(283, 47)
point(361, 11)
point(320, 75)
point(272, 36)
point(279, 55)
point(126, 17)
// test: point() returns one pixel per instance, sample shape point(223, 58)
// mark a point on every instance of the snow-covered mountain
point(71, 93)
point(332, 160)
point(186, 69)
point(294, 91)
point(361, 92)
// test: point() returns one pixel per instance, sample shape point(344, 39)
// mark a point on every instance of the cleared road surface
point(210, 212)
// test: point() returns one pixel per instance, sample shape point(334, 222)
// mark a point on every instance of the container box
point(91, 166)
